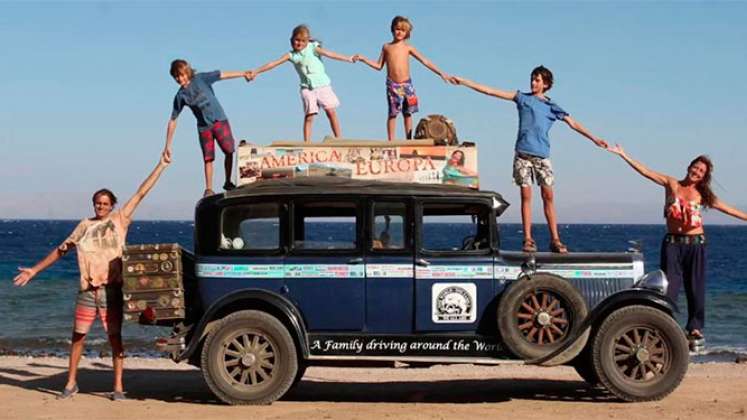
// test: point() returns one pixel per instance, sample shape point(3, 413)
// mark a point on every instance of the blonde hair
point(401, 19)
point(303, 30)
point(178, 66)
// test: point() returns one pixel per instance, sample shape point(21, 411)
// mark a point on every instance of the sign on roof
point(422, 164)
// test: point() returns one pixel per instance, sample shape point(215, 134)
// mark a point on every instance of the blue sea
point(37, 319)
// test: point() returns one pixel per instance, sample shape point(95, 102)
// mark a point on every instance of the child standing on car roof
point(316, 90)
point(196, 92)
point(537, 113)
point(399, 89)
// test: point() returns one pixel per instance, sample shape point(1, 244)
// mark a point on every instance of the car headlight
point(654, 280)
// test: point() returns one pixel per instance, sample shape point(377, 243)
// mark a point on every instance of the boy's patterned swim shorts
point(401, 97)
point(221, 133)
point(529, 169)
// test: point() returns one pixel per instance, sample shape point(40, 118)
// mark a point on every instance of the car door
point(453, 264)
point(244, 252)
point(389, 267)
point(324, 269)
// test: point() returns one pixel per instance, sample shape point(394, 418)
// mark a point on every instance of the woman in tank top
point(683, 249)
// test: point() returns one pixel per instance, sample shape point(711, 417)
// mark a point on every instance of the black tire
point(538, 315)
point(300, 372)
point(584, 366)
point(640, 353)
point(249, 358)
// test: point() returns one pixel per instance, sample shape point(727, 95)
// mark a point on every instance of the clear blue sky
point(86, 93)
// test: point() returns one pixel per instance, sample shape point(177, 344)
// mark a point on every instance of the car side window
point(325, 225)
point(455, 227)
point(251, 227)
point(388, 230)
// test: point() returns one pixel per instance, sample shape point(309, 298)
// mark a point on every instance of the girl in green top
point(316, 90)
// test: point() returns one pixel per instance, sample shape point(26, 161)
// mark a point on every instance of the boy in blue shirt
point(537, 113)
point(196, 92)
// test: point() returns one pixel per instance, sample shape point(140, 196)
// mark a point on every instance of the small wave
point(721, 354)
point(726, 350)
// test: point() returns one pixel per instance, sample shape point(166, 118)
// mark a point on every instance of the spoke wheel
point(543, 317)
point(249, 358)
point(538, 315)
point(640, 353)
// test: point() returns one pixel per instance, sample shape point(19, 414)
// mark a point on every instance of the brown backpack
point(439, 128)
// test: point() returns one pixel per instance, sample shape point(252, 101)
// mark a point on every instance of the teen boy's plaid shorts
point(221, 133)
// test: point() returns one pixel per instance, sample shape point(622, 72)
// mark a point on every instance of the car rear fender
point(271, 302)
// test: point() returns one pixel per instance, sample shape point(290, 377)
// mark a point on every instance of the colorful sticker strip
point(455, 272)
point(276, 271)
point(433, 272)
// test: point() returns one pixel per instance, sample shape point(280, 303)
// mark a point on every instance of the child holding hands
point(537, 113)
point(196, 92)
point(316, 89)
point(399, 89)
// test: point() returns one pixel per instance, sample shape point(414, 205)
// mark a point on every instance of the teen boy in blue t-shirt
point(537, 113)
point(196, 92)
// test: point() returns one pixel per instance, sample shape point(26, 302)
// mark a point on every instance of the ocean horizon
point(38, 317)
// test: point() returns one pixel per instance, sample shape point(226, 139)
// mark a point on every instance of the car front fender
point(627, 297)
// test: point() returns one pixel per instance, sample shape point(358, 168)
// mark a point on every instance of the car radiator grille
point(596, 290)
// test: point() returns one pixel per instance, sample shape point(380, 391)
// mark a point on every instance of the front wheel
point(640, 354)
point(249, 358)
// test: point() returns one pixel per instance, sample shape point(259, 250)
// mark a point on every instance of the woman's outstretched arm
point(727, 209)
point(659, 178)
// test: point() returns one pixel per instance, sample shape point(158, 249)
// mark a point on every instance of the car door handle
point(357, 260)
point(422, 262)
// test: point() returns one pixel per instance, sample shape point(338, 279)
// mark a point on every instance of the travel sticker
point(389, 270)
point(455, 272)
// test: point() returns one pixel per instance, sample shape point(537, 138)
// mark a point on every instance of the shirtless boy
point(399, 89)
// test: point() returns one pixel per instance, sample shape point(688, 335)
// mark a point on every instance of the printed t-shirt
point(309, 66)
point(99, 244)
point(198, 95)
point(536, 116)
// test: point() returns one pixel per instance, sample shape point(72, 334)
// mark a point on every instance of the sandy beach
point(158, 388)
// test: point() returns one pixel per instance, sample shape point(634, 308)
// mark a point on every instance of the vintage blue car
point(291, 273)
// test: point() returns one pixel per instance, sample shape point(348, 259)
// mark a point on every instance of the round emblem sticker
point(454, 303)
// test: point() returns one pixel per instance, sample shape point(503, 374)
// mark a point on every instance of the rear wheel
point(640, 353)
point(537, 316)
point(300, 372)
point(249, 358)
